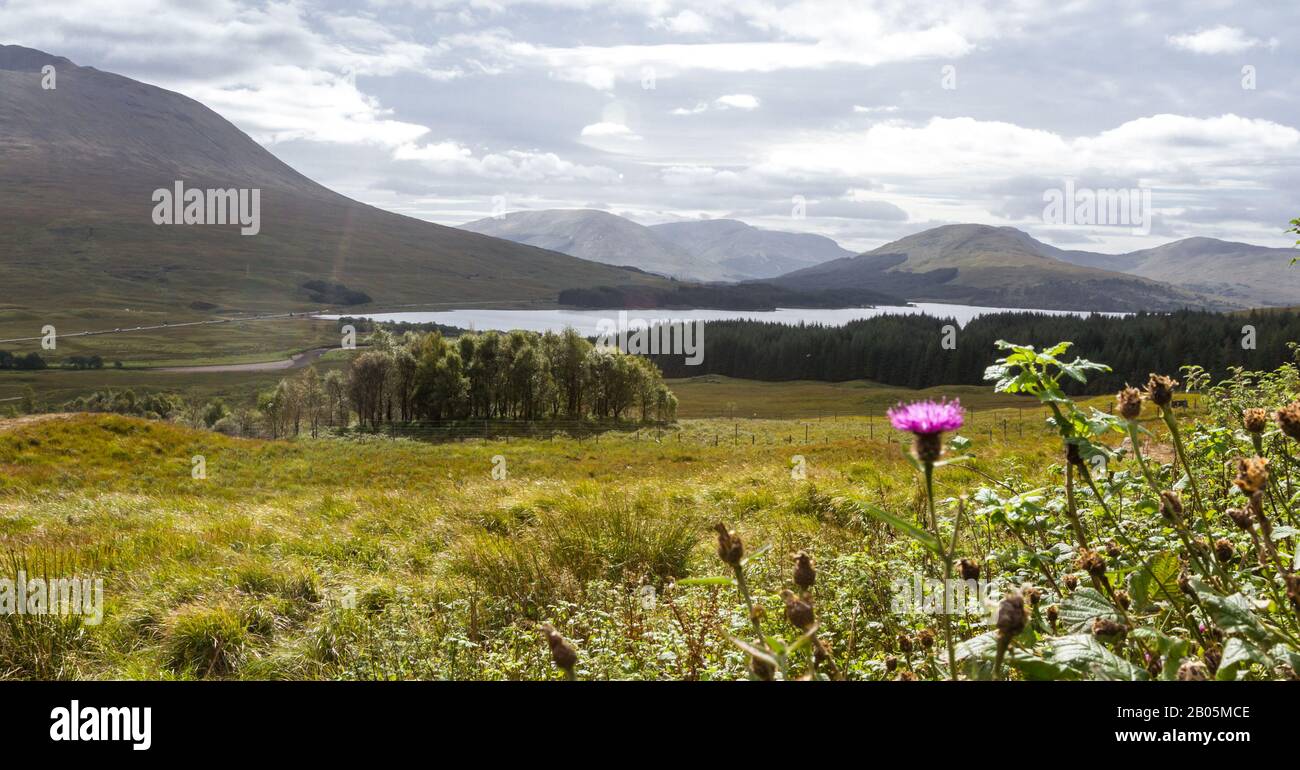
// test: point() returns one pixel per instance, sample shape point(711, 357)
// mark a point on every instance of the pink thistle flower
point(926, 418)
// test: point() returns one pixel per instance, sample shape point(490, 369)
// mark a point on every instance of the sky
point(863, 121)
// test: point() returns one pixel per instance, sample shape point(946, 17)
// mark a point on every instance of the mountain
point(749, 252)
point(1237, 272)
point(993, 266)
point(80, 166)
point(600, 237)
point(701, 250)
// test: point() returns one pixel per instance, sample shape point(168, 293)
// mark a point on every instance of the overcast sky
point(884, 118)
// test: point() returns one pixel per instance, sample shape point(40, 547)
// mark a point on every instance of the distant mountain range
point(1239, 273)
point(961, 264)
point(79, 165)
point(699, 250)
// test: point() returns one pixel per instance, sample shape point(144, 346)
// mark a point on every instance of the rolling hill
point(600, 237)
point(700, 250)
point(1236, 272)
point(749, 252)
point(994, 266)
point(80, 165)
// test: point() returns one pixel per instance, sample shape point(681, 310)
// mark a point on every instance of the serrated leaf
point(1083, 606)
point(1233, 615)
point(1083, 653)
point(1238, 654)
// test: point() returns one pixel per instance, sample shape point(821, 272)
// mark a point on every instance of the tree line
point(426, 376)
point(918, 351)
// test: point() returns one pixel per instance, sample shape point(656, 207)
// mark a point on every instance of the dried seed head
point(1193, 670)
point(1071, 582)
point(969, 569)
point(1122, 598)
point(1091, 562)
point(1113, 550)
point(1240, 517)
point(1032, 595)
point(1072, 455)
point(1053, 612)
point(1288, 419)
point(1128, 402)
point(1171, 506)
point(1293, 589)
point(761, 669)
point(730, 549)
point(1155, 666)
point(1252, 474)
point(804, 573)
point(821, 651)
point(797, 611)
point(1108, 628)
point(926, 638)
point(1254, 419)
point(1223, 550)
point(891, 663)
point(1160, 389)
point(1010, 618)
point(562, 652)
point(904, 643)
point(906, 676)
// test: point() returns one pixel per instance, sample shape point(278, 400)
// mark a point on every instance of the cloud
point(737, 101)
point(859, 109)
point(607, 129)
point(452, 159)
point(1219, 40)
point(688, 22)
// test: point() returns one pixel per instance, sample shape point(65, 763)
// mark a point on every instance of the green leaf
point(707, 581)
point(1083, 606)
point(1084, 654)
point(1158, 581)
point(1233, 615)
point(1238, 654)
point(906, 527)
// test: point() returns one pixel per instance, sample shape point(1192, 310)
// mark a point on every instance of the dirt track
point(297, 361)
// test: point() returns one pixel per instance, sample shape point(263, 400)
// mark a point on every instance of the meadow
point(372, 557)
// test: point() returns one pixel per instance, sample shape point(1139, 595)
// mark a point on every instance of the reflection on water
point(584, 321)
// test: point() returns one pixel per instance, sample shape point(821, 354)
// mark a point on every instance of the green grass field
point(380, 558)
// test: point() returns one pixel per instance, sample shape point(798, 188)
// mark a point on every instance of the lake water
point(585, 321)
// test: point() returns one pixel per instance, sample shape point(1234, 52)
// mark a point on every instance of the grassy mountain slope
point(998, 266)
point(81, 162)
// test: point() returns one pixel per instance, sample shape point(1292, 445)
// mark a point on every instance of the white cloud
point(858, 108)
point(946, 149)
point(696, 110)
point(1217, 40)
point(688, 22)
point(607, 129)
point(738, 101)
point(452, 159)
